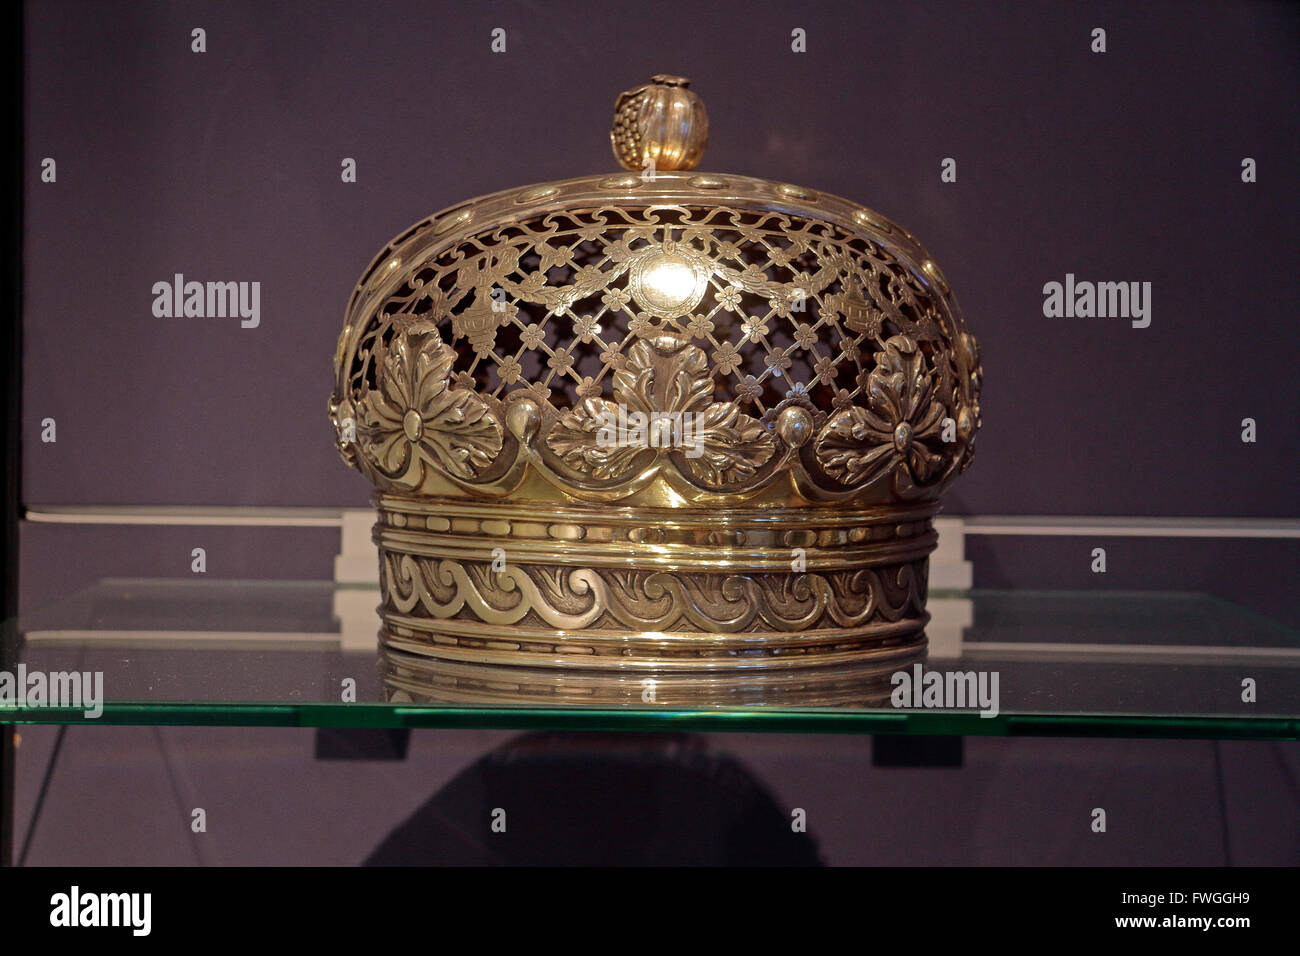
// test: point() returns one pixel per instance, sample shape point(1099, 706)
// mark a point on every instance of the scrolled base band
point(652, 589)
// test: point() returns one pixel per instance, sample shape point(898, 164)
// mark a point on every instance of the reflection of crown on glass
point(658, 419)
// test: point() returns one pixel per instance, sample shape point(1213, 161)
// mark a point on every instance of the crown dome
point(646, 390)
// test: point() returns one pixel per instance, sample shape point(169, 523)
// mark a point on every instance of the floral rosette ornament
point(415, 420)
point(719, 444)
point(897, 434)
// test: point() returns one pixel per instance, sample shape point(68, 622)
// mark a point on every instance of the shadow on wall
point(609, 799)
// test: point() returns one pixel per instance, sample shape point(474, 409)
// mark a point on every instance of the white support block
point(358, 558)
point(949, 569)
point(355, 609)
point(949, 618)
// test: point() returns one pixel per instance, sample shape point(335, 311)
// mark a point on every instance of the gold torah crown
point(659, 420)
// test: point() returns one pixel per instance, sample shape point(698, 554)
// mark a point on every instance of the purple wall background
point(122, 796)
point(225, 166)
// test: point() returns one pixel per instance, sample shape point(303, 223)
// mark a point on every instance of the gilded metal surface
point(661, 125)
point(693, 421)
point(412, 678)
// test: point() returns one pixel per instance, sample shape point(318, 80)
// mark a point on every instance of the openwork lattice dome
point(655, 419)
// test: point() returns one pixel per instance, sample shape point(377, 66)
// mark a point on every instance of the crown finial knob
point(661, 125)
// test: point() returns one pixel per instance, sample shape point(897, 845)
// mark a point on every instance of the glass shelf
point(274, 653)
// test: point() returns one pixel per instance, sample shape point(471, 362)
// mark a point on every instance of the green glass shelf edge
point(387, 716)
